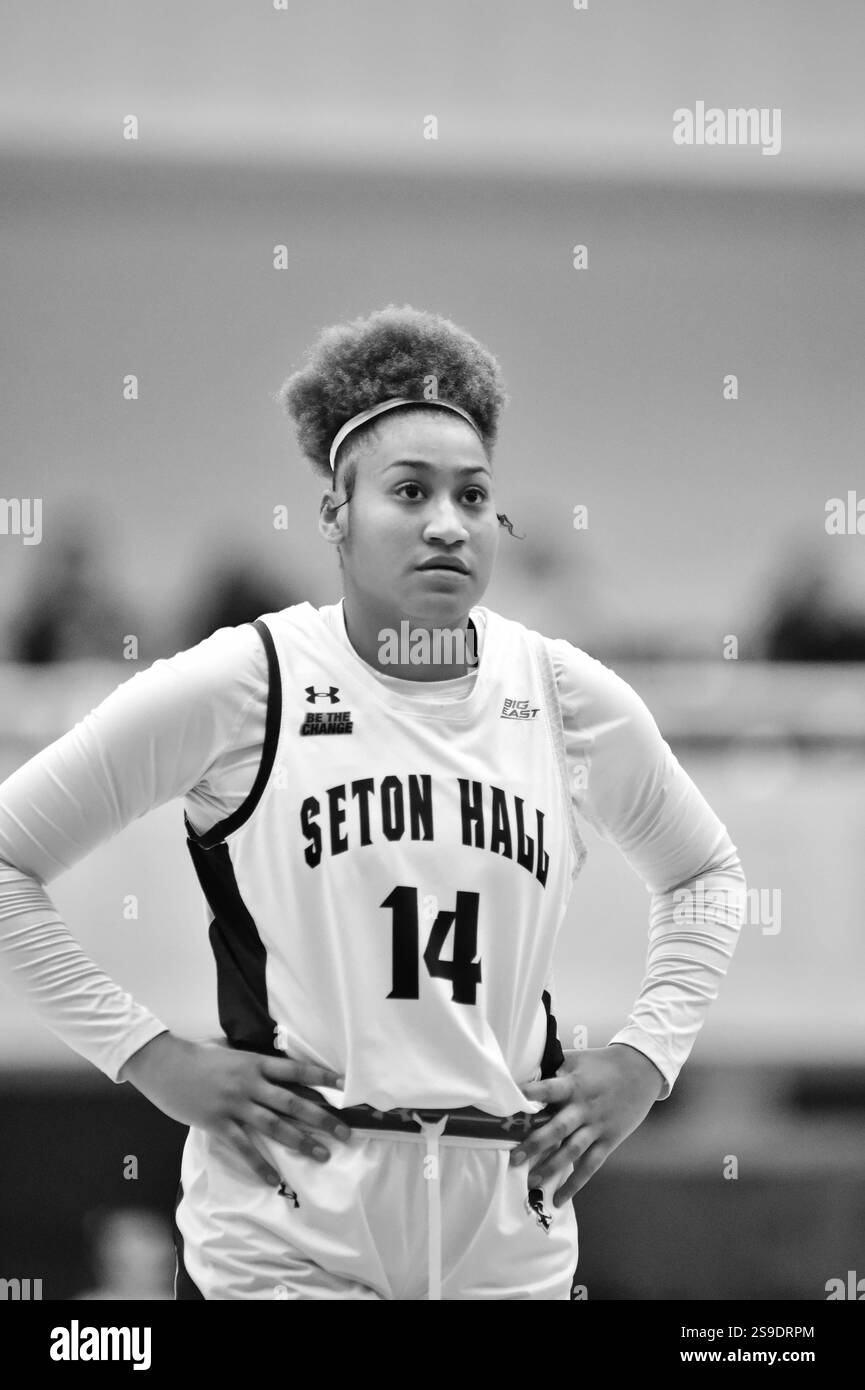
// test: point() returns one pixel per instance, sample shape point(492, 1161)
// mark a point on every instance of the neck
point(411, 647)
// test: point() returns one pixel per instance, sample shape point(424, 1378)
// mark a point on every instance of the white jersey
point(387, 899)
point(198, 725)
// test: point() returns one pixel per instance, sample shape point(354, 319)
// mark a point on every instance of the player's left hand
point(597, 1098)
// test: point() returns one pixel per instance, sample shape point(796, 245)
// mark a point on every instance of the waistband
point(465, 1122)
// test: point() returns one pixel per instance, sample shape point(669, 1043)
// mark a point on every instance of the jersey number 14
point(463, 971)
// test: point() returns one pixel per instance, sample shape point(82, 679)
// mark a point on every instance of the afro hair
point(394, 352)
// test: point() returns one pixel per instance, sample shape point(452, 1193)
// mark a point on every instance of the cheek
point(364, 521)
point(489, 539)
point(377, 533)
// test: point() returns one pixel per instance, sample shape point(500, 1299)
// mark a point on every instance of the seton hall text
point(356, 813)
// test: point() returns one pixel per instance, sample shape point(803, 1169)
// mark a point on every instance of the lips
point(456, 566)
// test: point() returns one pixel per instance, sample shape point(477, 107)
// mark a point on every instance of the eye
point(480, 495)
point(418, 490)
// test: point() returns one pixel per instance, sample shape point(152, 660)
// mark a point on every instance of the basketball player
point(387, 846)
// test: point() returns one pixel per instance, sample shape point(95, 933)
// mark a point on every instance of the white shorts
point(360, 1225)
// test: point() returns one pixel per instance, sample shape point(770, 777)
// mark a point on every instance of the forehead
point(437, 437)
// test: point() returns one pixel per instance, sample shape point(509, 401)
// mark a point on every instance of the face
point(422, 501)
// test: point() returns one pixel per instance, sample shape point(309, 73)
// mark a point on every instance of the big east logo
point(518, 709)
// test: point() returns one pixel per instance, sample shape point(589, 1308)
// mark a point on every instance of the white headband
point(365, 415)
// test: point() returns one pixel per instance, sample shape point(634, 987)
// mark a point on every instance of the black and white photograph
point(432, 664)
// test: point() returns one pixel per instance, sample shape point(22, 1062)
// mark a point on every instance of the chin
point(442, 609)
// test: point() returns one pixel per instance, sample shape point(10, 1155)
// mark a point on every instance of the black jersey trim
point(553, 1056)
point(217, 833)
point(239, 953)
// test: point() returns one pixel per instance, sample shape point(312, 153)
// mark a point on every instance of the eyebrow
point(424, 463)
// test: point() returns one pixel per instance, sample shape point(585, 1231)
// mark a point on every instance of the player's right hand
point(236, 1095)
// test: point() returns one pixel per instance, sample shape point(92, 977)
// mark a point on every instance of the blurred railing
point(698, 703)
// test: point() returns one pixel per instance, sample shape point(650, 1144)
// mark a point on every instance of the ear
point(330, 522)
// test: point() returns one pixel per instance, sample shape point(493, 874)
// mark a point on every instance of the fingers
point(547, 1137)
point(284, 1070)
point(240, 1141)
point(284, 1132)
point(553, 1091)
point(577, 1159)
point(584, 1169)
point(549, 1169)
point(307, 1113)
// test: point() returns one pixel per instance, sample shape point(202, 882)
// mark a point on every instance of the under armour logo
point(312, 695)
point(283, 1191)
point(535, 1203)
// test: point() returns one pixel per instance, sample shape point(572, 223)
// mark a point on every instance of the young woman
point(381, 801)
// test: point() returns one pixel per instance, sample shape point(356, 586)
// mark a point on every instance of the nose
point(444, 523)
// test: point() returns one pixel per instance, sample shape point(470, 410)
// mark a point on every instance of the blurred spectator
point(70, 611)
point(133, 1256)
point(808, 620)
point(236, 592)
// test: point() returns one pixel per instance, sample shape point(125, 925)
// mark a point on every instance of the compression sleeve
point(628, 785)
point(170, 731)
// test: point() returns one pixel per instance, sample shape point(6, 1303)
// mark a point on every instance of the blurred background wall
point(303, 127)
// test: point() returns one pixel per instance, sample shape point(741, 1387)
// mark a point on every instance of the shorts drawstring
point(465, 1125)
point(432, 1129)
